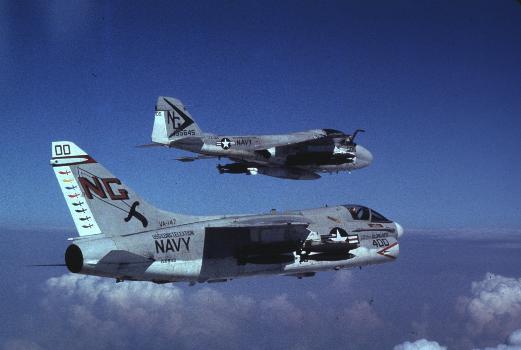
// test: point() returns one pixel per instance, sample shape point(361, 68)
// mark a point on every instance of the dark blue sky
point(436, 84)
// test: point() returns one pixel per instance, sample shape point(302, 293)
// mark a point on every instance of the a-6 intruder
point(297, 156)
point(123, 237)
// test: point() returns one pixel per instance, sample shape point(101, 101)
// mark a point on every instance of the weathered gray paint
point(272, 155)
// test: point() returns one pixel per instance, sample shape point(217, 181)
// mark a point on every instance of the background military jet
point(123, 237)
point(299, 155)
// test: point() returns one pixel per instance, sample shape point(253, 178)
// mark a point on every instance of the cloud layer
point(88, 312)
point(419, 301)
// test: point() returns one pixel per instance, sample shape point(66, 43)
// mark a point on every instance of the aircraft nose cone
point(399, 229)
point(363, 157)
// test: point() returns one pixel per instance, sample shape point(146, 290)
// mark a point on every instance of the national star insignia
point(225, 143)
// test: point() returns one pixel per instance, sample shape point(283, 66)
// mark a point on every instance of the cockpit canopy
point(359, 212)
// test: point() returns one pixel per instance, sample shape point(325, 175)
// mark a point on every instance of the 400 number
point(380, 242)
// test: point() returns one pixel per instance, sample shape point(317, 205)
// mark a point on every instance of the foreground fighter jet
point(296, 156)
point(123, 237)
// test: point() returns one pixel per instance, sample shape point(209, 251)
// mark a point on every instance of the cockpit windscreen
point(359, 212)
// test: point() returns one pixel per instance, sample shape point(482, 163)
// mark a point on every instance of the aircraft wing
point(272, 221)
point(265, 240)
point(300, 140)
point(314, 137)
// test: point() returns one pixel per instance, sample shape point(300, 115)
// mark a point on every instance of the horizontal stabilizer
point(124, 257)
point(121, 262)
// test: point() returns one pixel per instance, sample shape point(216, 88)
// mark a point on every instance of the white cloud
point(513, 342)
point(85, 312)
point(491, 312)
point(143, 308)
point(494, 305)
point(422, 344)
point(515, 338)
point(105, 314)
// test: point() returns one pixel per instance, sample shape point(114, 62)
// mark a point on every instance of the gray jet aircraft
point(298, 156)
point(123, 237)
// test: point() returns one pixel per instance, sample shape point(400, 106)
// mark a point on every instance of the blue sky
point(436, 84)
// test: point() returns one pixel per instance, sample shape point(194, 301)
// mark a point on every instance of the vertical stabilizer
point(98, 201)
point(172, 121)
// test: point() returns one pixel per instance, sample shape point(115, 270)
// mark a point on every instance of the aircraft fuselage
point(222, 248)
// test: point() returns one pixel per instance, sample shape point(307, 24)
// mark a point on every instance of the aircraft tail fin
point(98, 201)
point(172, 121)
